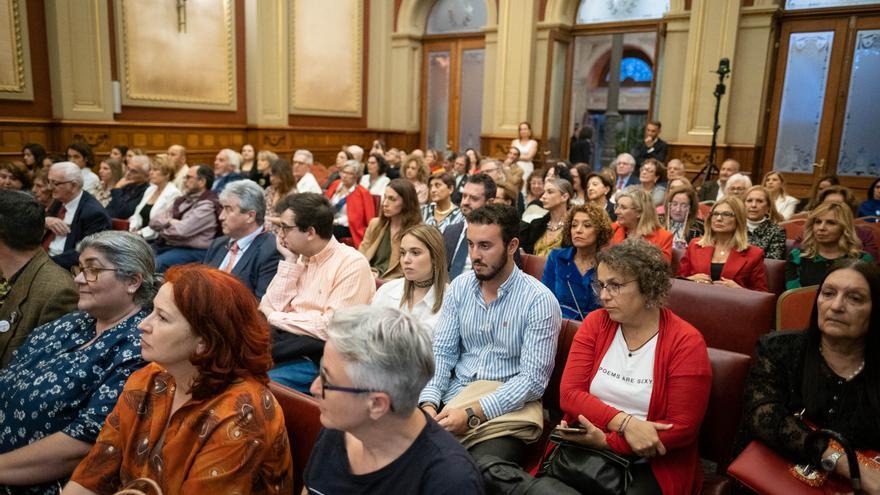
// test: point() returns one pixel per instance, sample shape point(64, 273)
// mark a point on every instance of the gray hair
point(142, 162)
point(250, 197)
point(352, 164)
point(356, 151)
point(738, 177)
point(564, 186)
point(306, 154)
point(384, 350)
point(643, 261)
point(625, 156)
point(70, 170)
point(131, 255)
point(234, 157)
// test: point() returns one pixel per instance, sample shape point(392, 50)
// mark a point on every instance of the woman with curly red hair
point(199, 418)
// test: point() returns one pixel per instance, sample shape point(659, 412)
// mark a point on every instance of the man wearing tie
point(625, 166)
point(245, 250)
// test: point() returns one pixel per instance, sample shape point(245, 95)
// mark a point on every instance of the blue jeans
point(298, 374)
point(168, 257)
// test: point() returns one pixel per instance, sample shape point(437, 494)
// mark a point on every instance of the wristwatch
point(473, 420)
point(829, 463)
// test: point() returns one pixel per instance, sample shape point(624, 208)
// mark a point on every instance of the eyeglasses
point(613, 288)
point(53, 183)
point(679, 206)
point(349, 390)
point(621, 207)
point(722, 214)
point(90, 273)
point(286, 228)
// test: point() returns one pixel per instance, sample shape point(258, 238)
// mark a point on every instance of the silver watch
point(829, 463)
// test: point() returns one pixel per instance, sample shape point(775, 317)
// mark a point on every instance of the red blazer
point(360, 207)
point(743, 267)
point(661, 238)
point(682, 382)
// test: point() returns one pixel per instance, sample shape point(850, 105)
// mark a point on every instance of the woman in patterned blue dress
point(65, 378)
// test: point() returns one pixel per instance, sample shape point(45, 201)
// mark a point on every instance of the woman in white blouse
point(420, 291)
point(157, 198)
point(774, 183)
point(376, 180)
point(527, 147)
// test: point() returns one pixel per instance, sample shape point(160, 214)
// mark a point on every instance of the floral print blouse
point(55, 384)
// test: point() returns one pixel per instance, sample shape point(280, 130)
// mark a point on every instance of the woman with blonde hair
point(381, 244)
point(637, 219)
point(774, 182)
point(723, 255)
point(545, 234)
point(420, 291)
point(762, 221)
point(829, 235)
point(417, 172)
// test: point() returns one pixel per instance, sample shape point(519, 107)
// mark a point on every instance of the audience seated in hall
point(761, 219)
point(66, 377)
point(201, 408)
point(599, 191)
point(421, 290)
point(417, 172)
point(652, 180)
point(375, 364)
point(33, 289)
point(41, 190)
point(127, 194)
point(81, 154)
point(245, 249)
point(680, 216)
point(73, 215)
point(723, 256)
point(376, 179)
point(317, 276)
point(870, 207)
point(185, 230)
point(714, 190)
point(675, 169)
point(14, 176)
point(157, 199)
point(544, 234)
point(460, 170)
point(637, 219)
point(227, 165)
point(477, 191)
point(844, 195)
point(737, 185)
point(353, 204)
point(381, 244)
point(625, 168)
point(571, 269)
point(109, 172)
point(496, 362)
point(774, 183)
point(302, 172)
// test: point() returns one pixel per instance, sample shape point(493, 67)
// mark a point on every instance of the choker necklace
point(631, 351)
point(443, 212)
point(424, 284)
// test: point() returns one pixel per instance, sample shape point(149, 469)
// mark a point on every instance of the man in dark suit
point(651, 147)
point(226, 167)
point(33, 290)
point(245, 249)
point(625, 168)
point(713, 191)
point(73, 216)
point(477, 191)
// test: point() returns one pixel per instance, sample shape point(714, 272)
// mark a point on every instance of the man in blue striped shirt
point(498, 324)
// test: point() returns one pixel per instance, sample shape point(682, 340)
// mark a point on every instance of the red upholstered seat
point(794, 307)
point(120, 224)
point(729, 319)
point(775, 275)
point(533, 265)
point(303, 420)
point(677, 254)
point(793, 228)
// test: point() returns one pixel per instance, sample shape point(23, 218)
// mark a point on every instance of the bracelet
point(427, 403)
point(622, 428)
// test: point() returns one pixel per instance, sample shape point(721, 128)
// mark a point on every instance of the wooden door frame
point(455, 45)
point(564, 139)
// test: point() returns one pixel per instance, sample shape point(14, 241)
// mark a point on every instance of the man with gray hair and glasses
point(302, 172)
point(375, 439)
point(245, 249)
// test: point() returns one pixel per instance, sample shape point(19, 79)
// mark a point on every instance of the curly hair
point(422, 170)
point(218, 308)
point(645, 263)
point(849, 242)
point(598, 218)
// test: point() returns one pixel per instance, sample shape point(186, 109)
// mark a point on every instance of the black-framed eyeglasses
point(90, 273)
point(349, 390)
point(613, 288)
point(286, 228)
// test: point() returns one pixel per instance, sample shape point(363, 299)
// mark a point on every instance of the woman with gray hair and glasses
point(376, 439)
point(66, 377)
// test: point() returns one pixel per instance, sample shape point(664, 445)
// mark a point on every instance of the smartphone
point(571, 429)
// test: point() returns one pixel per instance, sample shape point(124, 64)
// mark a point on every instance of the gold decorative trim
point(131, 97)
point(302, 108)
point(19, 83)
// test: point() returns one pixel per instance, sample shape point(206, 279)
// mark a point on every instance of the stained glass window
point(457, 16)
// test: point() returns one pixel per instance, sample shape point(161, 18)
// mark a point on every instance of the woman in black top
point(830, 373)
point(763, 223)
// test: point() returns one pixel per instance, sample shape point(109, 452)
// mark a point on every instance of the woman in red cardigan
point(637, 219)
point(638, 377)
point(723, 255)
point(354, 204)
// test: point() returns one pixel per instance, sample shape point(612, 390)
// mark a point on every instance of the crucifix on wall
point(181, 16)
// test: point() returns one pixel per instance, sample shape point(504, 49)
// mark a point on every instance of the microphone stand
point(710, 168)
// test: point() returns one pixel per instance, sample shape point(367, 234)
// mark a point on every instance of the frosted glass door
point(438, 100)
point(859, 146)
point(471, 101)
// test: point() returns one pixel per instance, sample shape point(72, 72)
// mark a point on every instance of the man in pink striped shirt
point(317, 276)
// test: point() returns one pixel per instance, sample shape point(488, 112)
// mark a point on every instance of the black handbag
point(588, 470)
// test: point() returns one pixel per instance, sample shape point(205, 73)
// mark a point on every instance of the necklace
point(631, 351)
point(443, 212)
point(851, 375)
point(424, 284)
point(554, 227)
